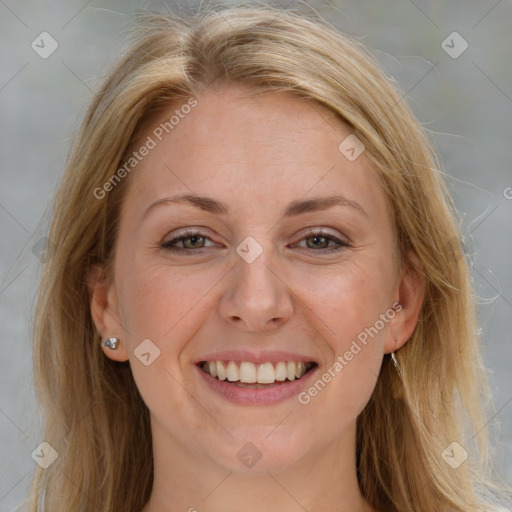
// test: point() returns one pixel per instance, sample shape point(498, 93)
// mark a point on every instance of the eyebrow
point(295, 208)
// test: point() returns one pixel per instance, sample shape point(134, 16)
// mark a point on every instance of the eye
point(320, 241)
point(195, 240)
point(190, 239)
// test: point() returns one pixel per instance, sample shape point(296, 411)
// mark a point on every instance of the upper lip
point(267, 356)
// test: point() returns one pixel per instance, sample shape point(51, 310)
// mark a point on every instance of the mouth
point(246, 374)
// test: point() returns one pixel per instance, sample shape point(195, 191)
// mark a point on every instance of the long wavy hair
point(94, 416)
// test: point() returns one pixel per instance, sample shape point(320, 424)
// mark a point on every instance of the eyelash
point(170, 245)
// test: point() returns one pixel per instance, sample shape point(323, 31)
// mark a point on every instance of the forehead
point(245, 149)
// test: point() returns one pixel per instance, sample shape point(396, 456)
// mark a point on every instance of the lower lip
point(256, 396)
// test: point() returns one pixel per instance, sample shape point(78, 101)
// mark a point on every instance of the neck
point(325, 481)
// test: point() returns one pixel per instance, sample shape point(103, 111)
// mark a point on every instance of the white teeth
point(212, 367)
point(247, 372)
point(232, 372)
point(221, 371)
point(250, 373)
point(266, 374)
point(290, 370)
point(280, 371)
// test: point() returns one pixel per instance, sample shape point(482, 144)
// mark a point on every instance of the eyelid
point(342, 241)
point(324, 232)
point(186, 233)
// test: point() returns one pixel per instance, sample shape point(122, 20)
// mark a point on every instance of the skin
point(257, 155)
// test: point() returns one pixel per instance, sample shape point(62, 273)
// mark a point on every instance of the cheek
point(158, 300)
point(348, 307)
point(163, 305)
point(345, 300)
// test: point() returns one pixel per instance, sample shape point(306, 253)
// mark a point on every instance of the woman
point(255, 296)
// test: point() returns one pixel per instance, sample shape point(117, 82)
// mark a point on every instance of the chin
point(260, 450)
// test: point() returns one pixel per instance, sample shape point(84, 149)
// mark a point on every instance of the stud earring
point(111, 343)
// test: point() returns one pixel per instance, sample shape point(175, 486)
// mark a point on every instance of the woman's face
point(260, 270)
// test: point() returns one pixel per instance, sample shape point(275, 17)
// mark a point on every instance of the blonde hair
point(94, 415)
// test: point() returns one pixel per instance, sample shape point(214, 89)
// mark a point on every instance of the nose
point(257, 297)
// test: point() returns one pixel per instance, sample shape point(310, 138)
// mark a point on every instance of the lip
point(268, 356)
point(259, 396)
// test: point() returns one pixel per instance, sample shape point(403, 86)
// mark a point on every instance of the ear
point(105, 313)
point(409, 294)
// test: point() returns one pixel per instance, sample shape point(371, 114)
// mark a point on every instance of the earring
point(395, 362)
point(111, 343)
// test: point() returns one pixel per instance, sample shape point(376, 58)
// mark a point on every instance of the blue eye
point(195, 240)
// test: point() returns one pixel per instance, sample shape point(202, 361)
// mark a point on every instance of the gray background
point(465, 103)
